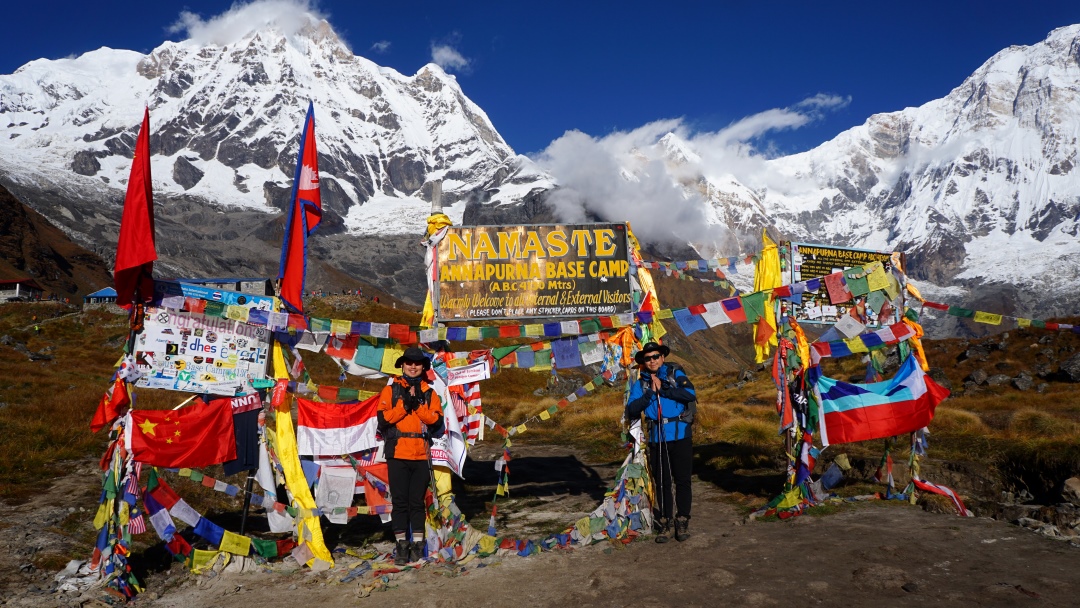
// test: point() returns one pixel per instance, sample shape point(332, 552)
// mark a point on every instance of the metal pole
point(247, 501)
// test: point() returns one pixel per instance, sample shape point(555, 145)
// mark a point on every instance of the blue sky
point(541, 69)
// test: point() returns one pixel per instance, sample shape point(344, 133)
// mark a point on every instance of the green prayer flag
point(956, 311)
point(196, 476)
point(857, 285)
point(590, 326)
point(489, 332)
point(317, 324)
point(754, 306)
point(265, 548)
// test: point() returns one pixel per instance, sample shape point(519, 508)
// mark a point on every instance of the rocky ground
point(875, 552)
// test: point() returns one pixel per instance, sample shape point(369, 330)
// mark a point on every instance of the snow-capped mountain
point(225, 123)
point(981, 188)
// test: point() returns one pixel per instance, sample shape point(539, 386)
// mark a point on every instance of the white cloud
point(288, 16)
point(381, 46)
point(448, 58)
point(651, 181)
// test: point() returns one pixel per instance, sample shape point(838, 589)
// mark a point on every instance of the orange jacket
point(393, 416)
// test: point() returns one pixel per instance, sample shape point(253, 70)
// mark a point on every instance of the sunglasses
point(651, 357)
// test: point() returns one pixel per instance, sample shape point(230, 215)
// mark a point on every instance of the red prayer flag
point(194, 436)
point(135, 251)
point(305, 213)
point(733, 308)
point(109, 407)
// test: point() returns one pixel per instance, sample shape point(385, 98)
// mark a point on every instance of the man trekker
point(665, 395)
point(408, 411)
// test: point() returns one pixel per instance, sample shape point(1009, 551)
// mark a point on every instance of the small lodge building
point(254, 286)
point(101, 296)
point(20, 290)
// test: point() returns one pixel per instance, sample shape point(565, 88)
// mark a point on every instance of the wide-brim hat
point(651, 347)
point(414, 355)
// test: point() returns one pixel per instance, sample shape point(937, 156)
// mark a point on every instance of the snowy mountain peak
point(227, 104)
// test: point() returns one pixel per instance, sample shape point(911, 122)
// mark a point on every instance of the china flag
point(194, 436)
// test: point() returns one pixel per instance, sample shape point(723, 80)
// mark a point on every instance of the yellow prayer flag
point(914, 291)
point(1023, 322)
point(289, 456)
point(472, 333)
point(856, 345)
point(102, 515)
point(185, 472)
point(544, 415)
point(534, 330)
point(878, 278)
point(487, 544)
point(522, 428)
point(235, 544)
point(389, 357)
point(793, 497)
point(665, 313)
point(340, 327)
point(236, 313)
point(986, 317)
point(203, 560)
point(589, 386)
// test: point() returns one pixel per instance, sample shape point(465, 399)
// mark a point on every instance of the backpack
point(690, 410)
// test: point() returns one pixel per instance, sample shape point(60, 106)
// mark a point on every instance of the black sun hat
point(414, 355)
point(651, 347)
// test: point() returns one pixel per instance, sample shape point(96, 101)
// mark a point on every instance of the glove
point(410, 402)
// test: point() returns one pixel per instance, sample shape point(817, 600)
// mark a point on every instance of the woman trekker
point(665, 395)
point(407, 408)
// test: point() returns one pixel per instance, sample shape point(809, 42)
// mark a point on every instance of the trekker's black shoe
point(663, 526)
point(682, 524)
point(401, 553)
point(416, 551)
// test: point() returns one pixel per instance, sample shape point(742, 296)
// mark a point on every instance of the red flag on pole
point(305, 213)
point(135, 251)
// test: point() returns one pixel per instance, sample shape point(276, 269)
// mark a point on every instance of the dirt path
point(870, 553)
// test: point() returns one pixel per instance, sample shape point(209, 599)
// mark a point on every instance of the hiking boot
point(416, 551)
point(663, 526)
point(681, 528)
point(401, 553)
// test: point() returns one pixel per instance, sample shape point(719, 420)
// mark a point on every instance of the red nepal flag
point(135, 252)
point(305, 213)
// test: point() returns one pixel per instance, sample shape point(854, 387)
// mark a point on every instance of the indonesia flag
point(859, 412)
point(336, 428)
point(305, 213)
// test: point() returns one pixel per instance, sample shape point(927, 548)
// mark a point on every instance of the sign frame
point(574, 286)
point(829, 314)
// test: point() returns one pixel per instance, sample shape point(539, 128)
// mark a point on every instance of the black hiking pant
point(672, 460)
point(408, 484)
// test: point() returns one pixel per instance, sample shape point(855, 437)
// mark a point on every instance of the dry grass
point(1035, 424)
point(954, 421)
point(49, 404)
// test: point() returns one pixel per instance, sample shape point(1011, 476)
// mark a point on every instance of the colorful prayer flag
point(859, 412)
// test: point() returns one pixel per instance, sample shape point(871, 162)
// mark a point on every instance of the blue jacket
point(675, 393)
